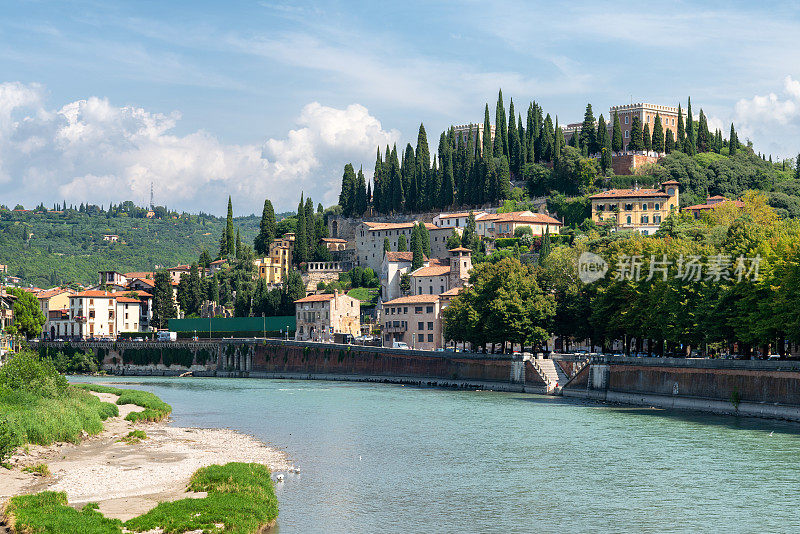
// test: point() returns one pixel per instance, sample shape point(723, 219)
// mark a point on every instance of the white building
point(100, 314)
point(457, 220)
point(370, 236)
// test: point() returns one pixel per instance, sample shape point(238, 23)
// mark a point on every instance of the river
point(389, 458)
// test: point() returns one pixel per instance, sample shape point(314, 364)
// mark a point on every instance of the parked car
point(399, 345)
point(774, 357)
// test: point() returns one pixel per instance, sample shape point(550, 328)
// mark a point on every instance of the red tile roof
point(700, 207)
point(316, 298)
point(141, 275)
point(413, 299)
point(630, 193)
point(432, 270)
point(48, 293)
point(452, 292)
point(519, 217)
point(128, 299)
point(375, 226)
point(95, 294)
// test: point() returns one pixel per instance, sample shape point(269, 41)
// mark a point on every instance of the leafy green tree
point(689, 144)
point(387, 246)
point(797, 168)
point(227, 244)
point(486, 150)
point(163, 305)
point(266, 231)
point(501, 132)
point(402, 244)
point(423, 170)
point(425, 238)
point(602, 134)
point(658, 135)
point(447, 193)
point(605, 157)
point(469, 237)
point(205, 259)
point(544, 250)
point(396, 183)
point(616, 137)
point(28, 316)
point(703, 135)
point(294, 289)
point(453, 240)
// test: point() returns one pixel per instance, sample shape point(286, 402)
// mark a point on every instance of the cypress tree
point(503, 180)
point(229, 237)
point(547, 139)
point(658, 135)
point(486, 150)
point(425, 239)
point(544, 250)
point(605, 158)
point(468, 195)
point(408, 172)
point(669, 142)
point(558, 144)
point(616, 136)
point(681, 131)
point(530, 136)
point(423, 155)
point(402, 245)
point(360, 205)
point(446, 195)
point(378, 180)
point(396, 181)
point(588, 137)
point(347, 195)
point(703, 141)
point(797, 168)
point(646, 141)
point(369, 193)
point(266, 229)
point(238, 244)
point(689, 145)
point(636, 144)
point(523, 152)
point(514, 145)
point(733, 142)
point(300, 239)
point(417, 249)
point(602, 133)
point(387, 246)
point(501, 135)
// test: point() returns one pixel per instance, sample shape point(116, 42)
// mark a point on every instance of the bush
point(523, 231)
point(25, 371)
point(506, 242)
point(9, 440)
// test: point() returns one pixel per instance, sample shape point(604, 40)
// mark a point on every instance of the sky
point(263, 99)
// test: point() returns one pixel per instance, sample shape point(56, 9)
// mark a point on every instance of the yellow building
point(275, 268)
point(641, 210)
point(53, 300)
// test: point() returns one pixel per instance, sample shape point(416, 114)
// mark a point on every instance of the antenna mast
point(151, 196)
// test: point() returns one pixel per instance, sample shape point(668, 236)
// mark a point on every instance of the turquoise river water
point(389, 458)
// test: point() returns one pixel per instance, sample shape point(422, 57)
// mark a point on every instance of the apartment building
point(96, 313)
point(457, 220)
point(444, 275)
point(638, 209)
point(56, 301)
point(414, 320)
point(320, 317)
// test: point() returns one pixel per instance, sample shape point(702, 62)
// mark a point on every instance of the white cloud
point(90, 150)
point(771, 119)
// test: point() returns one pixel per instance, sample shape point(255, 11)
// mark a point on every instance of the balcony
point(396, 328)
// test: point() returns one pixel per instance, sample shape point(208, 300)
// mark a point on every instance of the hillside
point(51, 248)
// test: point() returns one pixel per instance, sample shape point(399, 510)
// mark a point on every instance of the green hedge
point(505, 242)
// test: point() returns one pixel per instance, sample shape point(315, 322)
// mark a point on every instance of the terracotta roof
point(399, 256)
point(333, 240)
point(631, 193)
point(438, 261)
point(217, 262)
point(453, 215)
point(95, 293)
point(140, 294)
point(699, 207)
point(716, 197)
point(671, 182)
point(48, 293)
point(180, 268)
point(148, 281)
point(413, 299)
point(375, 226)
point(536, 218)
point(452, 292)
point(459, 249)
point(316, 298)
point(141, 275)
point(432, 270)
point(128, 299)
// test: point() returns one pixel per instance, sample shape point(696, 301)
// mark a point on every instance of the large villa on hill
point(638, 209)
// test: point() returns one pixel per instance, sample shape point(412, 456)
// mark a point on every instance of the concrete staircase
point(551, 373)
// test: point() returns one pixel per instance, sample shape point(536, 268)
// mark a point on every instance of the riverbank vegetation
point(38, 406)
point(241, 499)
point(154, 408)
point(725, 282)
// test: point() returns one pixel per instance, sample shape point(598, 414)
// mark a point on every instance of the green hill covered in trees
point(46, 247)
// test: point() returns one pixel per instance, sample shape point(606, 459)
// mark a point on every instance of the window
point(657, 206)
point(421, 338)
point(442, 289)
point(671, 191)
point(626, 122)
point(420, 326)
point(600, 207)
point(645, 219)
point(430, 338)
point(657, 219)
point(405, 309)
point(430, 289)
point(627, 134)
point(644, 206)
point(430, 325)
point(628, 207)
point(629, 219)
point(418, 309)
point(429, 309)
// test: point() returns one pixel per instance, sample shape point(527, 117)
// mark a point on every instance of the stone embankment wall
point(757, 388)
point(273, 358)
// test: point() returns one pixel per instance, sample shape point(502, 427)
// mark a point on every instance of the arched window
point(629, 219)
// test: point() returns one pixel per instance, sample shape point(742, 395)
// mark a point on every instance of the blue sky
point(255, 99)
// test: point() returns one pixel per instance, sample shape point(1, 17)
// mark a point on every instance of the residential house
point(54, 304)
point(414, 320)
point(638, 209)
point(6, 309)
point(500, 225)
point(95, 313)
point(393, 267)
point(112, 278)
point(439, 277)
point(320, 317)
point(275, 268)
point(457, 220)
point(712, 203)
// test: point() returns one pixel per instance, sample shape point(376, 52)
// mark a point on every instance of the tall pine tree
point(616, 136)
point(658, 135)
point(348, 193)
point(703, 135)
point(300, 238)
point(266, 229)
point(646, 141)
point(636, 144)
point(689, 145)
point(360, 204)
point(681, 131)
point(588, 137)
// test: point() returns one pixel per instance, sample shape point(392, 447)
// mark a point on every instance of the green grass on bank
point(240, 497)
point(154, 408)
point(368, 296)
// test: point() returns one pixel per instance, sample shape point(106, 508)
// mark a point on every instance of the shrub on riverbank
point(38, 406)
point(154, 408)
point(240, 496)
